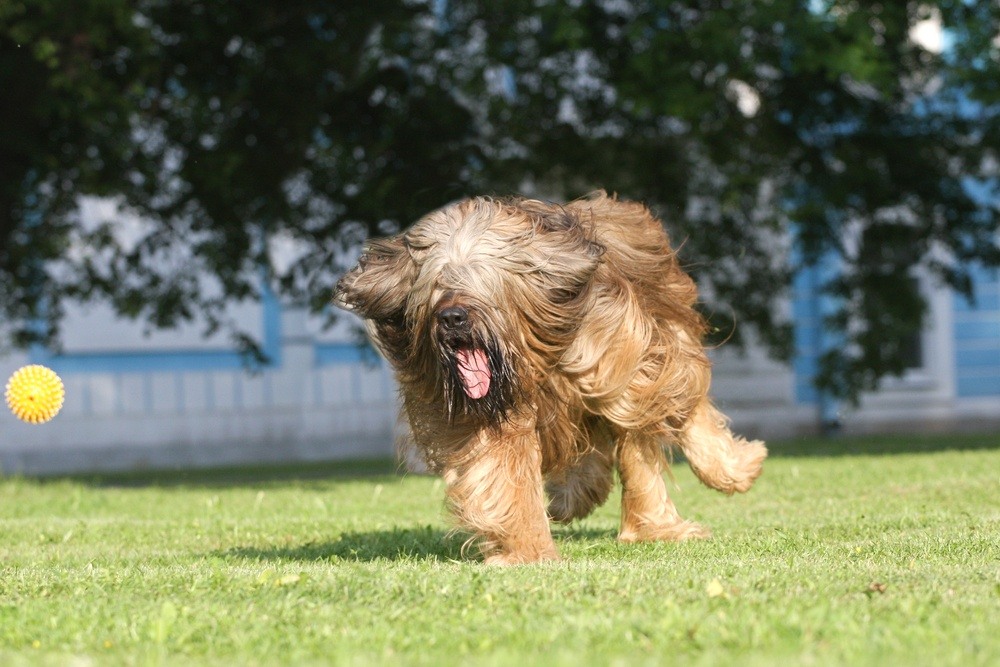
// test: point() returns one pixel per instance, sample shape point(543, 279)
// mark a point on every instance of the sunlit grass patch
point(838, 558)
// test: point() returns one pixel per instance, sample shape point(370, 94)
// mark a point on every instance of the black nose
point(453, 317)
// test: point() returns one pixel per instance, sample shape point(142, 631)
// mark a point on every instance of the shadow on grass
point(574, 533)
point(882, 445)
point(385, 470)
point(424, 543)
point(232, 476)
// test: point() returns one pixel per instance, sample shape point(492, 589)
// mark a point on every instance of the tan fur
point(595, 356)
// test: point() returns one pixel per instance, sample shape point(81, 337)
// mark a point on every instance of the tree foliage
point(768, 135)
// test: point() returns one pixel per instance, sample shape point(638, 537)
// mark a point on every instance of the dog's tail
point(721, 460)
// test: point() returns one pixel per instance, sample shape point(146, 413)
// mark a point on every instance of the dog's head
point(477, 300)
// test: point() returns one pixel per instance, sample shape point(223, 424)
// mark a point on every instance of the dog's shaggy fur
point(538, 347)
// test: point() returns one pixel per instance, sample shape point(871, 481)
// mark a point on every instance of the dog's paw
point(750, 455)
point(508, 558)
point(674, 532)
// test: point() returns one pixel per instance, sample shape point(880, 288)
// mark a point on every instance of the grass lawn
point(883, 551)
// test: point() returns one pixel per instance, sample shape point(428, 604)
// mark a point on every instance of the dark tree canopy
point(769, 135)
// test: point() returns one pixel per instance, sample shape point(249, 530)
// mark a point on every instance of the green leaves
point(744, 123)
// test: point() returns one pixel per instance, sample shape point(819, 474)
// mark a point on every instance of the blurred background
point(182, 183)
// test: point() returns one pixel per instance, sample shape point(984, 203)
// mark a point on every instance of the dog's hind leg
point(577, 490)
point(647, 512)
point(496, 492)
point(721, 460)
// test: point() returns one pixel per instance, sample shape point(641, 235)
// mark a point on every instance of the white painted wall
point(125, 420)
point(303, 410)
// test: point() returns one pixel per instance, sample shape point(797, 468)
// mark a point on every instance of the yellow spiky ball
point(34, 394)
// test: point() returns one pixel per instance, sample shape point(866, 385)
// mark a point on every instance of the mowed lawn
point(881, 551)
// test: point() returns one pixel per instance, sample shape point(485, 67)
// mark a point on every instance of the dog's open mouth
point(474, 370)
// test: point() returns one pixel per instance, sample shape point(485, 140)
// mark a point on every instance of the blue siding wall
point(807, 335)
point(153, 360)
point(977, 338)
point(976, 334)
point(809, 309)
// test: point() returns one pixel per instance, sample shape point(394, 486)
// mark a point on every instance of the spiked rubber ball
point(34, 394)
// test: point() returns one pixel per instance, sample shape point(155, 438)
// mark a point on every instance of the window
point(913, 351)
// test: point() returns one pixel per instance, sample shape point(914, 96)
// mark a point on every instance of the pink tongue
point(475, 372)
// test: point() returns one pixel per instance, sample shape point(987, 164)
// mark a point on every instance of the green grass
point(837, 556)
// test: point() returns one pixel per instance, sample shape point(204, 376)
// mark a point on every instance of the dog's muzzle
point(455, 331)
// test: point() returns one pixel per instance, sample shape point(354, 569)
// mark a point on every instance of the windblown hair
point(538, 344)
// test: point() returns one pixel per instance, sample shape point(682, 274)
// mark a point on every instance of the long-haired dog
point(538, 347)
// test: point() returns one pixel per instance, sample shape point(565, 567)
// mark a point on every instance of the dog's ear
point(561, 220)
point(377, 288)
point(563, 248)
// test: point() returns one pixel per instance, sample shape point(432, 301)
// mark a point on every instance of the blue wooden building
point(138, 399)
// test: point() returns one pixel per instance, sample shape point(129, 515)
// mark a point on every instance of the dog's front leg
point(647, 512)
point(495, 490)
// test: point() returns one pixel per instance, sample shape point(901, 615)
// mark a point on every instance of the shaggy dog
point(538, 347)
